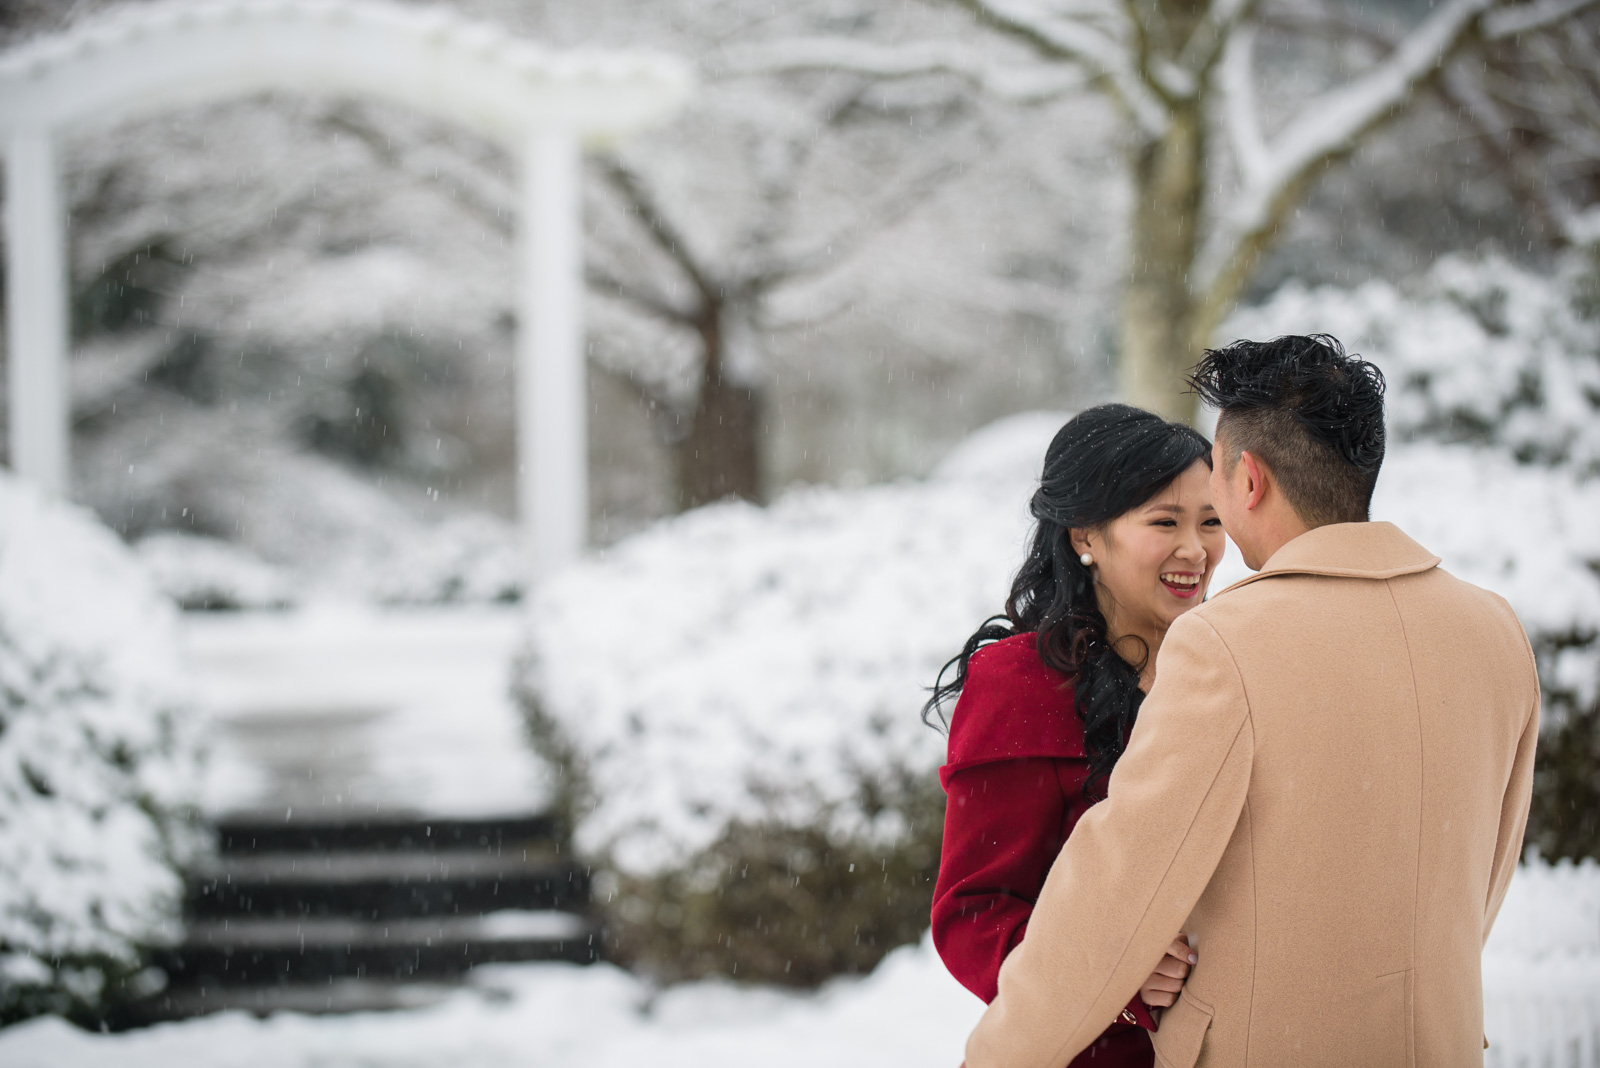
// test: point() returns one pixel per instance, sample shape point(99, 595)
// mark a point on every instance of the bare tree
point(722, 291)
point(1182, 75)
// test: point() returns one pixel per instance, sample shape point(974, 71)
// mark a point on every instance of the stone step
point(312, 998)
point(287, 832)
point(385, 884)
point(245, 952)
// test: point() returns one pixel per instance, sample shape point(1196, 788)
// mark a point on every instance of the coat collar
point(1347, 550)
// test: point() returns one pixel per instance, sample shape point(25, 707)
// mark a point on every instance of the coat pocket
point(1182, 1033)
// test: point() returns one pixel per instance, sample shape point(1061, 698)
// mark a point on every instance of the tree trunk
point(1157, 334)
point(720, 456)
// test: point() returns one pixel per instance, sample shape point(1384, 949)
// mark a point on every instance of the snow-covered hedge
point(210, 575)
point(98, 763)
point(739, 660)
point(734, 695)
point(1476, 351)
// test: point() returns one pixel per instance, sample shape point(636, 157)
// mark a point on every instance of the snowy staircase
point(368, 913)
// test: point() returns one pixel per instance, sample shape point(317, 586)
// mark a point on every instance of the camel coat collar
point(1347, 550)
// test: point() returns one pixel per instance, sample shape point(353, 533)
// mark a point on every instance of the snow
point(98, 759)
point(1473, 350)
point(1541, 987)
point(338, 705)
point(206, 573)
point(907, 1012)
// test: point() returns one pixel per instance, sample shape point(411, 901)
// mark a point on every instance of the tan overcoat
point(1327, 789)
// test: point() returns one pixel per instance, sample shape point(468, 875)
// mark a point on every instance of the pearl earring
point(1085, 559)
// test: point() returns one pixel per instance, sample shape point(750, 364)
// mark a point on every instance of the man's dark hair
point(1313, 412)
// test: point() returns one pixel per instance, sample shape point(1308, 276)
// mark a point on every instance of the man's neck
point(1273, 532)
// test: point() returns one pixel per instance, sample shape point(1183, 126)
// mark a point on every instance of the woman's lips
point(1181, 584)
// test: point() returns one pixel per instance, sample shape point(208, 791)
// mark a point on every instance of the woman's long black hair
point(1103, 463)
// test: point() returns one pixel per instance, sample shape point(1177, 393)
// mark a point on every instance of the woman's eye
point(1213, 522)
point(1166, 522)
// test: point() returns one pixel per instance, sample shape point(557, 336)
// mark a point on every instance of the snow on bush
point(208, 574)
point(739, 661)
point(1474, 351)
point(98, 762)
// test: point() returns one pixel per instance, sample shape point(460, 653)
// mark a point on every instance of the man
point(1328, 783)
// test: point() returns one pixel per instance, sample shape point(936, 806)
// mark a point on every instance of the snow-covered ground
point(340, 706)
point(1541, 982)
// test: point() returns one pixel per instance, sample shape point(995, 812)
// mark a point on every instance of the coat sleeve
point(1002, 828)
point(1513, 814)
point(1134, 866)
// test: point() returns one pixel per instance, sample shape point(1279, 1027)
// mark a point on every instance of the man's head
point(1299, 437)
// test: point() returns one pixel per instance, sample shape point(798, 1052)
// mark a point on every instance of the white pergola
point(543, 106)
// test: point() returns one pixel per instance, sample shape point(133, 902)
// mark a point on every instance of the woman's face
point(1155, 562)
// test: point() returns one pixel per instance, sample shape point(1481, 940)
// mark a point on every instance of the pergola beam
point(36, 311)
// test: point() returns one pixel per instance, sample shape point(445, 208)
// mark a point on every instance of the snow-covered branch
point(631, 187)
point(604, 280)
point(1019, 85)
point(1525, 18)
point(1102, 56)
point(1330, 127)
point(1240, 118)
point(884, 212)
point(1210, 38)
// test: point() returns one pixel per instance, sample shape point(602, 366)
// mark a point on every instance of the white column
point(552, 402)
point(36, 311)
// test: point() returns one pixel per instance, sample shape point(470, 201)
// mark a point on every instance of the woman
point(1126, 541)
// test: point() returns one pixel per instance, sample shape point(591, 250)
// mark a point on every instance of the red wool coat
point(1014, 782)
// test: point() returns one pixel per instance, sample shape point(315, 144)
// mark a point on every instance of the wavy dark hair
point(1102, 464)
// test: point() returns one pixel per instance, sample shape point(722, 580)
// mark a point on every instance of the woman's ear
point(1082, 540)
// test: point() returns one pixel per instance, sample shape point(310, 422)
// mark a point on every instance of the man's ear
point(1255, 481)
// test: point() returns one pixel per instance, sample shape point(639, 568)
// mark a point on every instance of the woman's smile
point(1183, 584)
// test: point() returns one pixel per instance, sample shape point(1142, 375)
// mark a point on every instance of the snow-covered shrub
point(210, 575)
point(1478, 351)
point(1494, 415)
point(735, 694)
point(98, 763)
point(470, 558)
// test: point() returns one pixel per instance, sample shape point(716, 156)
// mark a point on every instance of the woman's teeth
point(1181, 585)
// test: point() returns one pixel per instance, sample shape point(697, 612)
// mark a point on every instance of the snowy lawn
point(1541, 980)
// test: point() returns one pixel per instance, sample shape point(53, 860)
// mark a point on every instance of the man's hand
point(1160, 991)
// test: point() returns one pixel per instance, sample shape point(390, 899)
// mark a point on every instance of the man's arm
point(1513, 814)
point(1135, 865)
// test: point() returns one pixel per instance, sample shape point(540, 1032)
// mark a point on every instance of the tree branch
point(1328, 129)
point(631, 188)
point(1525, 18)
point(1209, 41)
point(846, 240)
point(1239, 116)
point(1028, 85)
point(1074, 42)
point(1478, 109)
point(602, 279)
